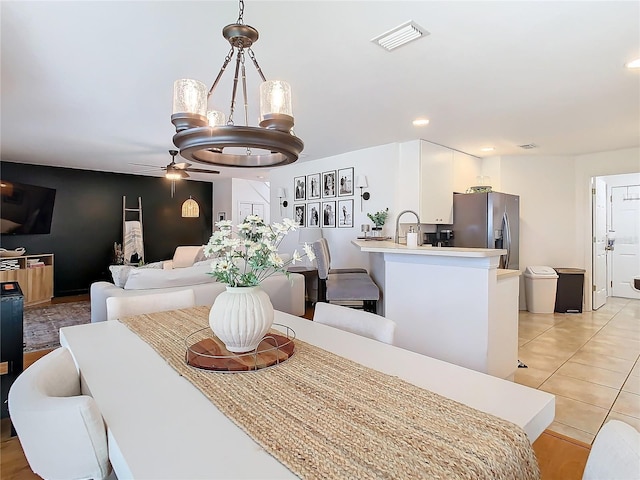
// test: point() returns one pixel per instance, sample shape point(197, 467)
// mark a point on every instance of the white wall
point(222, 198)
point(555, 215)
point(379, 164)
point(250, 191)
point(597, 165)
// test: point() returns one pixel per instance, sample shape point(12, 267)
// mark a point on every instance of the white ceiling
point(89, 84)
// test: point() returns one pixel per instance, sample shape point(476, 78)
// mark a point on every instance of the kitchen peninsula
point(449, 303)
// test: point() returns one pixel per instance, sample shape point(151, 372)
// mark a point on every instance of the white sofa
point(286, 294)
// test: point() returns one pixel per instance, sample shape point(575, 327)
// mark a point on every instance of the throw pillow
point(142, 279)
point(120, 273)
point(186, 256)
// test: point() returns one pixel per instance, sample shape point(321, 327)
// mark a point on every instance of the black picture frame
point(345, 213)
point(300, 214)
point(329, 214)
point(313, 186)
point(345, 182)
point(329, 184)
point(313, 214)
point(299, 188)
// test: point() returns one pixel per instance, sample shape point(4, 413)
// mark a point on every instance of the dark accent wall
point(87, 219)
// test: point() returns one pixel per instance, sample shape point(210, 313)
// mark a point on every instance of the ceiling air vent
point(528, 146)
point(400, 35)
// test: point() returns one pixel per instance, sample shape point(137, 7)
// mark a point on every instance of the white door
point(625, 221)
point(244, 210)
point(599, 199)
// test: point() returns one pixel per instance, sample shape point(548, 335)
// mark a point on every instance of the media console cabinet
point(34, 274)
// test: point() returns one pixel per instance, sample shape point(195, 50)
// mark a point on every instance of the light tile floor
point(589, 361)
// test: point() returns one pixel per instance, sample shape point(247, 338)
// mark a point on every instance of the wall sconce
point(190, 208)
point(361, 182)
point(282, 194)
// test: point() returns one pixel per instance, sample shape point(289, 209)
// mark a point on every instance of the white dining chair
point(118, 307)
point(360, 322)
point(62, 432)
point(615, 453)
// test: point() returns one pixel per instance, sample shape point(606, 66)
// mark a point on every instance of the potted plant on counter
point(378, 219)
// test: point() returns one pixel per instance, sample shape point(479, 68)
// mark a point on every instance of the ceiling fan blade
point(143, 165)
point(201, 170)
point(182, 165)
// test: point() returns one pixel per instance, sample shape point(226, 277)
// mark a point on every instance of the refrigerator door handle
point(507, 238)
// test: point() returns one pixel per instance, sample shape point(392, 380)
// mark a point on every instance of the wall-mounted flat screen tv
point(25, 209)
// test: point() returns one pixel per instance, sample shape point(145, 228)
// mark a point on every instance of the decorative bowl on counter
point(18, 252)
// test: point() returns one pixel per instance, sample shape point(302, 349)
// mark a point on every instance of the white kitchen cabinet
point(436, 183)
point(466, 169)
point(429, 174)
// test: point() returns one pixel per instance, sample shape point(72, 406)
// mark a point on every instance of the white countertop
point(505, 273)
point(375, 246)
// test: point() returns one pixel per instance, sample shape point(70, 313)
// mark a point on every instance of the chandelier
point(206, 136)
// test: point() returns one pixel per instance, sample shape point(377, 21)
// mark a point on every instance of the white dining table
point(160, 426)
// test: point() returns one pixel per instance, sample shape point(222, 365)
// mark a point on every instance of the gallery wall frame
point(329, 184)
point(313, 214)
point(345, 182)
point(299, 214)
point(313, 186)
point(345, 213)
point(329, 214)
point(299, 188)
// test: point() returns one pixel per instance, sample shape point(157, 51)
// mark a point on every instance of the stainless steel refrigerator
point(488, 220)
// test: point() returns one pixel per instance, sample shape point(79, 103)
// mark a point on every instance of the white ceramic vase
point(240, 317)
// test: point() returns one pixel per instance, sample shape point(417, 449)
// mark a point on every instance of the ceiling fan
point(178, 171)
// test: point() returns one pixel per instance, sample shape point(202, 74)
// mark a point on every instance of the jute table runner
point(327, 417)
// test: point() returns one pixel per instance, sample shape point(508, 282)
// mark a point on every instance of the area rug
point(42, 324)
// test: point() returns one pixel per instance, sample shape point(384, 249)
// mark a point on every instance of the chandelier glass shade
point(208, 136)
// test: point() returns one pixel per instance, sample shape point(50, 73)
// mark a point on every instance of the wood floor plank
point(560, 457)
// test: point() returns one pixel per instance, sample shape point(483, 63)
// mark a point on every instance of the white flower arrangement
point(252, 255)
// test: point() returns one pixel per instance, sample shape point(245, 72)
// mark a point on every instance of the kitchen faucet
point(397, 237)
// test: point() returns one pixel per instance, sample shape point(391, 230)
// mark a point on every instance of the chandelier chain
point(252, 56)
point(239, 61)
point(241, 12)
point(227, 59)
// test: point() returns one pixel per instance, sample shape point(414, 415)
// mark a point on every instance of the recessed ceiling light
point(633, 64)
point(487, 149)
point(400, 35)
point(421, 122)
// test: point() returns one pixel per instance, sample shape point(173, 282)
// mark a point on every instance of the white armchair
point(360, 322)
point(118, 307)
point(61, 431)
point(615, 453)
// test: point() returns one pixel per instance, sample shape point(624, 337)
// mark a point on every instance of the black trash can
point(570, 290)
